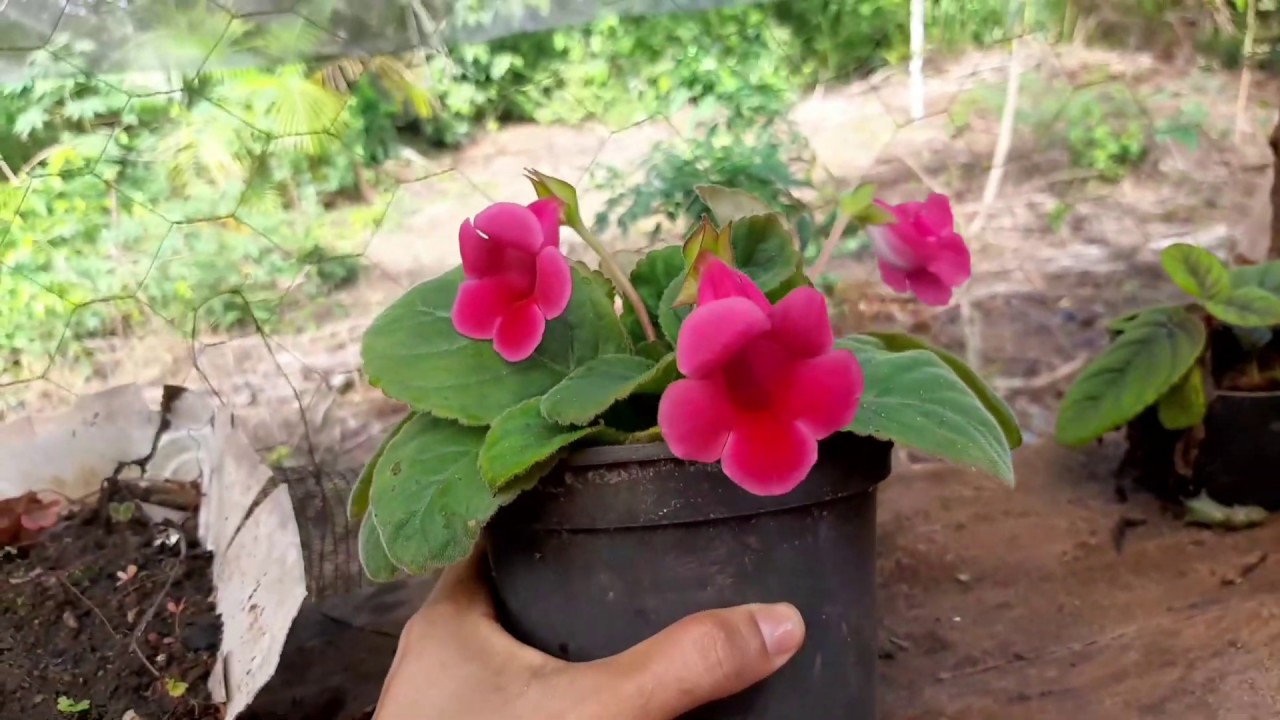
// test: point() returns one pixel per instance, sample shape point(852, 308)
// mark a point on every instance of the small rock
point(130, 715)
point(69, 619)
point(964, 578)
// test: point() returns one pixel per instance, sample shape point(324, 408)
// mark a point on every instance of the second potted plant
point(711, 443)
point(1197, 387)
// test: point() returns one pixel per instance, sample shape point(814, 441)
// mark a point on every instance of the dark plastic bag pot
point(624, 541)
point(1236, 461)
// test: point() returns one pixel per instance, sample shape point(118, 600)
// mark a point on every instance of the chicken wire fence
point(223, 194)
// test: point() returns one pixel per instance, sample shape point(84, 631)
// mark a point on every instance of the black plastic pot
point(624, 541)
point(1237, 461)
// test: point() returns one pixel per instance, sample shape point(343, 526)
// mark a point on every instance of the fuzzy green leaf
point(1246, 307)
point(914, 399)
point(1196, 271)
point(765, 250)
point(358, 503)
point(373, 553)
point(1265, 276)
point(1156, 314)
point(1129, 376)
point(520, 439)
point(413, 354)
point(999, 409)
point(651, 277)
point(593, 388)
point(428, 498)
point(1184, 405)
point(730, 204)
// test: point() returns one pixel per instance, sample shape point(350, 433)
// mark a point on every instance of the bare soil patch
point(76, 601)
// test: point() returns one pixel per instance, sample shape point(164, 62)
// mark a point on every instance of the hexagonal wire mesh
point(223, 194)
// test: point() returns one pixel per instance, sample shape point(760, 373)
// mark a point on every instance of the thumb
point(704, 657)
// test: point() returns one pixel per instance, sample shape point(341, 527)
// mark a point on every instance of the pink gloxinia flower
point(921, 253)
point(763, 383)
point(516, 278)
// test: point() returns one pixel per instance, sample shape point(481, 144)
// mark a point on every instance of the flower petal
point(824, 392)
point(768, 455)
point(929, 289)
point(801, 323)
point(511, 226)
point(479, 256)
point(694, 417)
point(719, 281)
point(900, 244)
point(934, 216)
point(893, 277)
point(519, 331)
point(714, 333)
point(554, 283)
point(479, 305)
point(951, 262)
point(548, 210)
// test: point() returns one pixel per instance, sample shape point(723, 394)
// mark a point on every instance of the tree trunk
point(1273, 250)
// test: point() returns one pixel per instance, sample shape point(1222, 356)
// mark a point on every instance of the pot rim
point(618, 454)
point(1247, 393)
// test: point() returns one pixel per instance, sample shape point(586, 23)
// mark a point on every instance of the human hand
point(455, 662)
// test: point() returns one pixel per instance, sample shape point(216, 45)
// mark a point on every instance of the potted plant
point(704, 442)
point(1195, 385)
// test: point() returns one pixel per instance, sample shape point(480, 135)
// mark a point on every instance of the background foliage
point(108, 181)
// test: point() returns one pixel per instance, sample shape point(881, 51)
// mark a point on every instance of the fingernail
point(782, 628)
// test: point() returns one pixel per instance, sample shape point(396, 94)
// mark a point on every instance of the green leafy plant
point(69, 706)
point(1159, 356)
point(496, 402)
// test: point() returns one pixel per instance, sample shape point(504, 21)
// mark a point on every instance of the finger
point(463, 586)
point(704, 657)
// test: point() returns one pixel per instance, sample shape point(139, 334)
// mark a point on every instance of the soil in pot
point(1232, 455)
point(75, 601)
point(624, 541)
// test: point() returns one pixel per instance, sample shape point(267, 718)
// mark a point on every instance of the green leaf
point(1184, 405)
point(428, 498)
point(1151, 314)
point(413, 354)
point(1246, 307)
point(1003, 414)
point(1265, 276)
point(664, 373)
point(1196, 271)
point(358, 503)
point(373, 553)
point(1140, 366)
point(670, 317)
point(730, 204)
point(655, 350)
point(651, 277)
point(764, 249)
point(520, 439)
point(545, 186)
point(857, 200)
point(914, 399)
point(593, 388)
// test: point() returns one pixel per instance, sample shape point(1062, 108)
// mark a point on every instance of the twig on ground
point(86, 601)
point(160, 596)
point(1044, 379)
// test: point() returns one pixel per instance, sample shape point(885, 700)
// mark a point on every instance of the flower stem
point(829, 246)
point(619, 278)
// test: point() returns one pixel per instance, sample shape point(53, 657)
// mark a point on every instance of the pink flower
point(516, 278)
point(921, 252)
point(763, 383)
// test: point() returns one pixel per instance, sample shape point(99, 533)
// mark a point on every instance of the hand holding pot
point(455, 662)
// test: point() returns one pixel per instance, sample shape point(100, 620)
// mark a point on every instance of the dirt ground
point(1031, 604)
point(107, 613)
